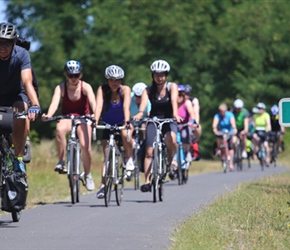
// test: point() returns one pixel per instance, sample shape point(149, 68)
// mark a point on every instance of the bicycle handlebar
point(72, 117)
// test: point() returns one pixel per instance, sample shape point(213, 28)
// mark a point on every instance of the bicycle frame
point(158, 173)
point(113, 172)
point(238, 154)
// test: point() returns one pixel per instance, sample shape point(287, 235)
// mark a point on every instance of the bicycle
point(238, 154)
point(136, 147)
point(273, 144)
point(183, 161)
point(75, 173)
point(7, 155)
point(114, 164)
point(159, 166)
point(262, 149)
point(224, 147)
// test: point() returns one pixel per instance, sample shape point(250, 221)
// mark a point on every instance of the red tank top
point(78, 107)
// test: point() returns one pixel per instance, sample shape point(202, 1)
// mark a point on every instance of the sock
point(19, 158)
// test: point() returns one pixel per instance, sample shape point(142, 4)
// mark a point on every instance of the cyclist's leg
point(280, 140)
point(169, 131)
point(128, 147)
point(255, 141)
point(231, 152)
point(63, 127)
point(84, 131)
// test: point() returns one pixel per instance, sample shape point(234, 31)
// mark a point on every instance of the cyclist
point(163, 96)
point(276, 127)
point(16, 87)
point(225, 120)
point(185, 111)
point(113, 103)
point(262, 125)
point(242, 122)
point(196, 131)
point(136, 94)
point(77, 98)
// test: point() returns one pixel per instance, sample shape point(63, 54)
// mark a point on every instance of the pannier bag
point(14, 192)
point(6, 120)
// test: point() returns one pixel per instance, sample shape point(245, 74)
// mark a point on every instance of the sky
point(2, 8)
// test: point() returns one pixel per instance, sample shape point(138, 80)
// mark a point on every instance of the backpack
point(14, 192)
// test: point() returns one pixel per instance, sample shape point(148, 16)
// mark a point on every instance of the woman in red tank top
point(77, 98)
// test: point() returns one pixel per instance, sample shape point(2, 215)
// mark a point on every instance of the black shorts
point(151, 131)
point(8, 101)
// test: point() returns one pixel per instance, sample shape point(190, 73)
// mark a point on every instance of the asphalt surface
point(137, 224)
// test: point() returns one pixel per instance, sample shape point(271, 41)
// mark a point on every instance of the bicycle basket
point(6, 120)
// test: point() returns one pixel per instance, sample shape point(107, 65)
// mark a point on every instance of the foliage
point(224, 49)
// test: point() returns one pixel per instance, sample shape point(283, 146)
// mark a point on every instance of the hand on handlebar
point(44, 117)
point(138, 116)
point(178, 118)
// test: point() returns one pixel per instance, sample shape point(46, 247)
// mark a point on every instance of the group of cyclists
point(116, 104)
point(250, 128)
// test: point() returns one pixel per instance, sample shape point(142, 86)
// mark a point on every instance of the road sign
point(284, 112)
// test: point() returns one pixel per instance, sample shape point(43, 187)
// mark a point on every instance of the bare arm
point(88, 90)
point(196, 108)
point(99, 104)
point(143, 104)
point(246, 125)
point(26, 78)
point(189, 109)
point(215, 124)
point(54, 101)
point(233, 124)
point(127, 101)
point(174, 97)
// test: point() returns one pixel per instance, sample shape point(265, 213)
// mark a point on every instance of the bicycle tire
point(274, 153)
point(179, 165)
point(119, 186)
point(239, 159)
point(108, 179)
point(16, 216)
point(155, 179)
point(184, 175)
point(136, 170)
point(73, 178)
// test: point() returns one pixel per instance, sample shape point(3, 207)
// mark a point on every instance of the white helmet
point(138, 88)
point(115, 72)
point(238, 104)
point(261, 105)
point(8, 31)
point(160, 66)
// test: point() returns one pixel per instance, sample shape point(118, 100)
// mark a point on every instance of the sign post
point(284, 112)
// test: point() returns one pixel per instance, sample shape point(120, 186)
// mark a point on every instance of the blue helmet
point(274, 110)
point(181, 88)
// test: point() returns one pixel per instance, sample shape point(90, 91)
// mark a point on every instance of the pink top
point(183, 113)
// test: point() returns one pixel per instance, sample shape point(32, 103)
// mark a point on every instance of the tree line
point(225, 49)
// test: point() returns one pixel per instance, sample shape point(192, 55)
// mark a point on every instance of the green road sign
point(284, 112)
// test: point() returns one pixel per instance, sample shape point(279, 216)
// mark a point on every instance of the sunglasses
point(6, 43)
point(73, 75)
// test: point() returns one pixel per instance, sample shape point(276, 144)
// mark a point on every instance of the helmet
point(115, 72)
point(255, 110)
point(238, 104)
point(188, 89)
point(160, 66)
point(8, 31)
point(138, 88)
point(73, 67)
point(181, 88)
point(261, 105)
point(275, 110)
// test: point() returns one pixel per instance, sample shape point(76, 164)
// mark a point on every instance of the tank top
point(161, 107)
point(183, 113)
point(78, 107)
point(114, 113)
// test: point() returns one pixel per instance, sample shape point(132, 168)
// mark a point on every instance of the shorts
point(230, 142)
point(8, 101)
point(151, 131)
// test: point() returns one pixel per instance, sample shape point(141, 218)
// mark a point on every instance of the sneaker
point(19, 166)
point(27, 151)
point(130, 164)
point(90, 185)
point(188, 157)
point(128, 175)
point(101, 193)
point(244, 155)
point(60, 167)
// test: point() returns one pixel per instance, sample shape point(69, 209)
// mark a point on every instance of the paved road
point(136, 224)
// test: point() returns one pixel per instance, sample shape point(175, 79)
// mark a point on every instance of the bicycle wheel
point(155, 177)
point(274, 153)
point(108, 179)
point(119, 185)
point(72, 174)
point(179, 165)
point(136, 171)
point(16, 216)
point(239, 158)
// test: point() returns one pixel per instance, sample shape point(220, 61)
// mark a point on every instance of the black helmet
point(73, 67)
point(8, 31)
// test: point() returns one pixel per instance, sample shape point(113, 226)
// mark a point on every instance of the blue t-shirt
point(10, 72)
point(224, 122)
point(134, 109)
